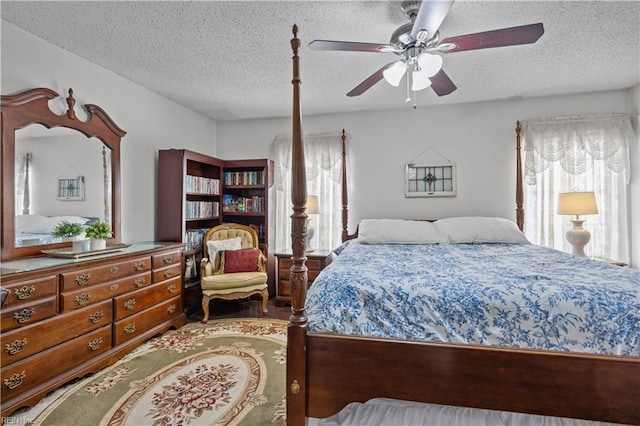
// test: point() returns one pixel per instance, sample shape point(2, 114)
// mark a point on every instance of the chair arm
point(262, 262)
point(206, 268)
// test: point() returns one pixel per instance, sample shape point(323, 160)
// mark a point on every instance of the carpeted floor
point(227, 372)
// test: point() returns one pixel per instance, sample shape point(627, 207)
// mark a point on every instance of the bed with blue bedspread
point(499, 294)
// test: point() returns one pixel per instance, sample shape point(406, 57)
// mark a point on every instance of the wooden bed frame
point(325, 372)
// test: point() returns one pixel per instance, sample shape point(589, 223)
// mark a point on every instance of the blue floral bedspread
point(521, 296)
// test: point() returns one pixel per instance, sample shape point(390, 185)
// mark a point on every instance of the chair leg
point(265, 298)
point(205, 307)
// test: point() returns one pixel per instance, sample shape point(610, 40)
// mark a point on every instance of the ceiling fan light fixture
point(393, 74)
point(420, 81)
point(429, 64)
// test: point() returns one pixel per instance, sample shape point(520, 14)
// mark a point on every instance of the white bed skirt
point(390, 412)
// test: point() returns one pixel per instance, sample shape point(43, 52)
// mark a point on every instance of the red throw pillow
point(241, 260)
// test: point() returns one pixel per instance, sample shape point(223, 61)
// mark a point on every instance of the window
point(323, 163)
point(587, 153)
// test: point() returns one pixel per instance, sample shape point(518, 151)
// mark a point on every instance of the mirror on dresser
point(54, 168)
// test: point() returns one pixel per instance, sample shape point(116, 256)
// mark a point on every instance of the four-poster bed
point(327, 371)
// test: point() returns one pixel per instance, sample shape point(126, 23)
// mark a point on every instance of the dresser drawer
point(166, 259)
point(167, 273)
point(312, 264)
point(83, 278)
point(134, 325)
point(93, 294)
point(27, 291)
point(136, 301)
point(285, 275)
point(26, 341)
point(23, 375)
point(28, 313)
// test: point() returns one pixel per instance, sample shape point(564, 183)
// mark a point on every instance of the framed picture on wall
point(71, 188)
point(430, 180)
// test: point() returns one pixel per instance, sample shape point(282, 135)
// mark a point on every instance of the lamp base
point(578, 237)
point(310, 233)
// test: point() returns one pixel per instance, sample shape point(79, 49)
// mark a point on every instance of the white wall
point(151, 121)
point(479, 137)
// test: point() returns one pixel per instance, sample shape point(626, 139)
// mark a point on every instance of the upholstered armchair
point(233, 267)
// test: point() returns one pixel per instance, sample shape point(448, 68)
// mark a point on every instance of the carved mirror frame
point(32, 107)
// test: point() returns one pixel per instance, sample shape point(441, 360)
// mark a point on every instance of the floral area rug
point(227, 372)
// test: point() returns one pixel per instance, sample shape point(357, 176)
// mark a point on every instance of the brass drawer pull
point(113, 287)
point(129, 304)
point(83, 299)
point(171, 288)
point(16, 346)
point(139, 282)
point(114, 269)
point(171, 309)
point(83, 279)
point(15, 380)
point(96, 316)
point(130, 328)
point(167, 259)
point(168, 273)
point(95, 344)
point(139, 266)
point(24, 315)
point(24, 292)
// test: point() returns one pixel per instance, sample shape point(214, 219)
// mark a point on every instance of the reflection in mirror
point(60, 175)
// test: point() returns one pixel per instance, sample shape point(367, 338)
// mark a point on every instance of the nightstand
point(317, 260)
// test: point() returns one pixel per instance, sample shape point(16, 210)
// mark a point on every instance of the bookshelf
point(247, 187)
point(188, 204)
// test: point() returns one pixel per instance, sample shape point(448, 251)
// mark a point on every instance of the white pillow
point(398, 231)
point(23, 221)
point(215, 246)
point(45, 225)
point(480, 230)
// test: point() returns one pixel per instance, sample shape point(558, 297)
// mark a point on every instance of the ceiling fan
point(418, 44)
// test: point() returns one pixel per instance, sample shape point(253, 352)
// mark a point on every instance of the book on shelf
point(194, 238)
point(244, 178)
point(202, 209)
point(202, 185)
point(232, 203)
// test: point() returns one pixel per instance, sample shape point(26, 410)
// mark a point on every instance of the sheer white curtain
point(323, 161)
point(585, 153)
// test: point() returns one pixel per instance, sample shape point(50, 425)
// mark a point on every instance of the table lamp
point(312, 208)
point(577, 203)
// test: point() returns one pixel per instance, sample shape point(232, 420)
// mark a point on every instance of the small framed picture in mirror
point(71, 188)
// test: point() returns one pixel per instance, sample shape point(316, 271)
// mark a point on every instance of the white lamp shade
point(394, 73)
point(577, 203)
point(420, 81)
point(429, 64)
point(312, 205)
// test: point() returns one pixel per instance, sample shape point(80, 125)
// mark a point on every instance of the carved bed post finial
point(297, 329)
point(519, 188)
point(71, 102)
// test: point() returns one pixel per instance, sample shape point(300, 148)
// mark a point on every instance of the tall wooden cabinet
point(197, 192)
point(64, 318)
point(247, 191)
point(188, 204)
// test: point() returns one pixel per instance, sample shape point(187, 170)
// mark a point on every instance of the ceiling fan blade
point(430, 17)
point(351, 46)
point(525, 34)
point(369, 81)
point(442, 84)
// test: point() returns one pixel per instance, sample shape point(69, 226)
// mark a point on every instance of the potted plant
point(71, 231)
point(99, 232)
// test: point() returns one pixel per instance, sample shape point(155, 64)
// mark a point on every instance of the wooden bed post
point(345, 209)
point(297, 329)
point(519, 189)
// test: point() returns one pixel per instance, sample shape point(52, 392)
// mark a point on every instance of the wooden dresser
point(316, 261)
point(64, 318)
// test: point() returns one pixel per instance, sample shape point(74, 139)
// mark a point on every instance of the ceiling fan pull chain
point(408, 98)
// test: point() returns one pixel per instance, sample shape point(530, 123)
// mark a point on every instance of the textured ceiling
point(232, 60)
